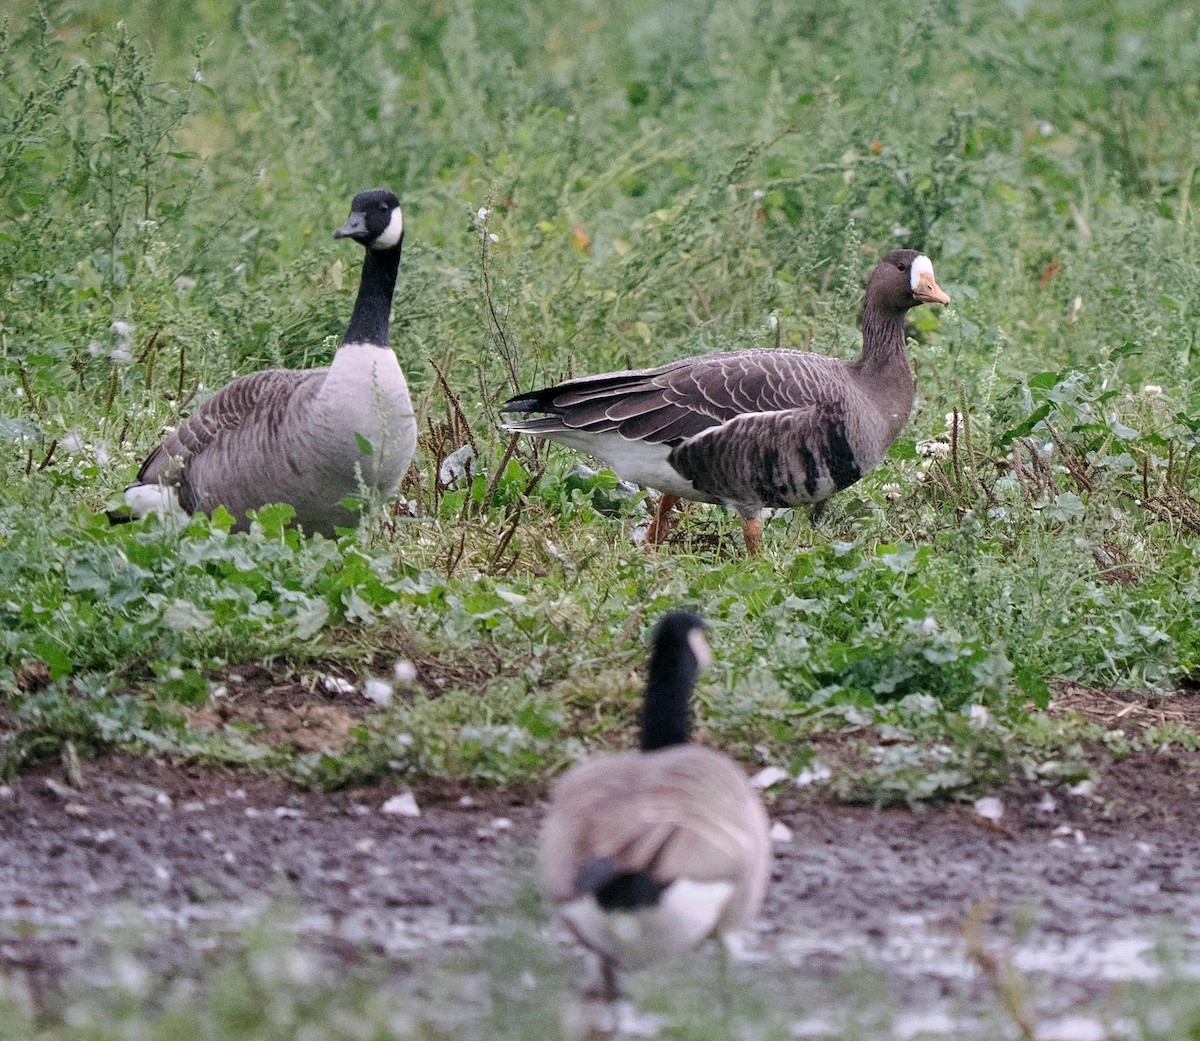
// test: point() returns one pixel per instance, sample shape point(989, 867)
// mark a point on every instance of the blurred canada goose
point(298, 435)
point(749, 428)
point(649, 853)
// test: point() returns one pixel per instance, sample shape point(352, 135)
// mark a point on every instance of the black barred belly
point(755, 471)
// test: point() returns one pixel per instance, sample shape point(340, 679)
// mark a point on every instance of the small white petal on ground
point(404, 671)
point(814, 773)
point(780, 833)
point(979, 717)
point(378, 691)
point(768, 776)
point(337, 685)
point(402, 805)
point(989, 808)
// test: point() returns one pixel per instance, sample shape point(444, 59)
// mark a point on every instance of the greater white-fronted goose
point(647, 854)
point(306, 437)
point(752, 428)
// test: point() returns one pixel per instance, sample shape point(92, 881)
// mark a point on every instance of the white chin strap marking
point(391, 234)
point(700, 648)
point(922, 266)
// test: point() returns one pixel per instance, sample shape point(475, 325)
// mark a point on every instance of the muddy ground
point(1075, 878)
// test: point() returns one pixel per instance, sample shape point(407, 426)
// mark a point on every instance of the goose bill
point(356, 224)
point(928, 291)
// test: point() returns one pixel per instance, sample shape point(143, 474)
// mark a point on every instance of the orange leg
point(662, 523)
point(752, 533)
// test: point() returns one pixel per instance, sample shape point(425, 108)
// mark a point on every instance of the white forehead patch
point(922, 266)
point(391, 234)
point(700, 648)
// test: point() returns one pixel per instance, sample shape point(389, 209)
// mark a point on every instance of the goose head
point(679, 653)
point(375, 220)
point(903, 279)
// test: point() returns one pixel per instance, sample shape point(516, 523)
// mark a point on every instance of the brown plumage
point(649, 853)
point(750, 429)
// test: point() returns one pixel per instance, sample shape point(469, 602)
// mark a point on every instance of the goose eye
point(901, 266)
point(383, 207)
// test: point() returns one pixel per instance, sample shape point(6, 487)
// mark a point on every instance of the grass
point(588, 189)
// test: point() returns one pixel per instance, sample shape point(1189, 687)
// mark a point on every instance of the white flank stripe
point(143, 499)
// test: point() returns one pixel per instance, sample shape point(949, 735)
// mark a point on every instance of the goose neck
point(882, 336)
point(666, 716)
point(373, 305)
point(884, 358)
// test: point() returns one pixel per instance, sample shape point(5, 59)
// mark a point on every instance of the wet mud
point(1072, 885)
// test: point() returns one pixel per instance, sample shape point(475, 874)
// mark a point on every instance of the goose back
point(682, 816)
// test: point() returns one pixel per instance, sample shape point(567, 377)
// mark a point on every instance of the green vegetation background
point(587, 186)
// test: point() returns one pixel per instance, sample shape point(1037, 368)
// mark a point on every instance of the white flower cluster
point(935, 448)
point(481, 215)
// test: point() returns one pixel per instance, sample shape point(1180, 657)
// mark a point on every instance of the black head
point(375, 220)
point(678, 654)
point(681, 633)
point(903, 279)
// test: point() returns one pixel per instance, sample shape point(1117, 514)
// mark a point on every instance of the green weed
point(658, 183)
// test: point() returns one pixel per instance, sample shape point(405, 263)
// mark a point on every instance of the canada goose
point(649, 853)
point(749, 428)
point(302, 436)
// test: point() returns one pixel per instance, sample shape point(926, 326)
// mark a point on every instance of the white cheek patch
point(700, 648)
point(922, 267)
point(391, 234)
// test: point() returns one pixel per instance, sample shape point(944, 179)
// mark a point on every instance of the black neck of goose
point(883, 338)
point(666, 715)
point(372, 308)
